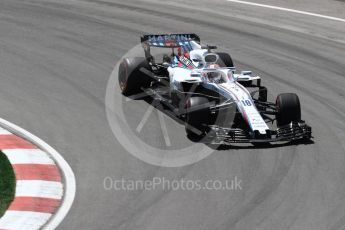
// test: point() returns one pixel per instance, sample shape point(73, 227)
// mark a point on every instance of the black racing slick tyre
point(134, 74)
point(197, 117)
point(225, 60)
point(288, 109)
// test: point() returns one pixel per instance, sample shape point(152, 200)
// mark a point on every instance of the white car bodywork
point(226, 85)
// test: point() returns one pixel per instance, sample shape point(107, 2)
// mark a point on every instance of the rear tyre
point(288, 109)
point(197, 117)
point(132, 75)
point(225, 60)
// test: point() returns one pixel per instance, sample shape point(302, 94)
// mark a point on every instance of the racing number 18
point(246, 102)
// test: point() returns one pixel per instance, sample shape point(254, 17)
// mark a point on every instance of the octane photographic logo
point(144, 127)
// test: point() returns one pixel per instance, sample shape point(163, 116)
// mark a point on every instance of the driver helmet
point(196, 59)
point(214, 77)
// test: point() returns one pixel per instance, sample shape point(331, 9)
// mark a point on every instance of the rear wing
point(165, 41)
point(168, 40)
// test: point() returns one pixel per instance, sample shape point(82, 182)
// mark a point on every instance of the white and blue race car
point(202, 87)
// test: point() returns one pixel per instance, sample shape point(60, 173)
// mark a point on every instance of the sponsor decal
point(186, 62)
point(174, 37)
point(171, 40)
point(170, 43)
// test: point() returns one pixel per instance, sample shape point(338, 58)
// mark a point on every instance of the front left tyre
point(134, 75)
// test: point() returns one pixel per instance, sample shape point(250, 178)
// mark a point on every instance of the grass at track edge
point(7, 183)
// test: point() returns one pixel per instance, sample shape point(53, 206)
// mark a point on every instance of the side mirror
point(195, 74)
point(209, 47)
point(246, 72)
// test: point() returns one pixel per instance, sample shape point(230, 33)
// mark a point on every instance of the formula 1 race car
point(202, 87)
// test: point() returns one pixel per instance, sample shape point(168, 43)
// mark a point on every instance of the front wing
point(292, 132)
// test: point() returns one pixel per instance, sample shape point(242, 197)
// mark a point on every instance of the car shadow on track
point(222, 147)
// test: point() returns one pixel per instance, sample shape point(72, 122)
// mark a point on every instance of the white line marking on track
point(39, 188)
point(17, 220)
point(28, 156)
point(288, 10)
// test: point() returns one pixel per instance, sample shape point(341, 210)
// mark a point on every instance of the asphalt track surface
point(55, 61)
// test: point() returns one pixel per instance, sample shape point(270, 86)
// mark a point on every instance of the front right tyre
point(288, 109)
